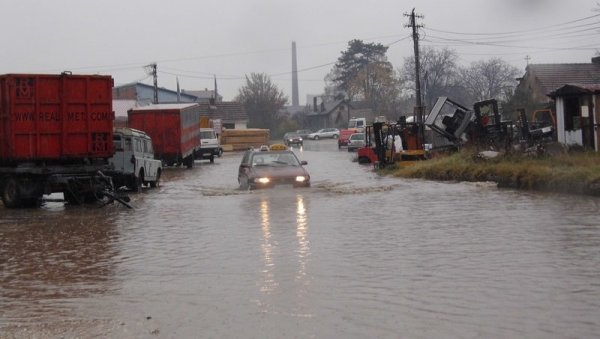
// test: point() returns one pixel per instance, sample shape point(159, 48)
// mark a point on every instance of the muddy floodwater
point(354, 256)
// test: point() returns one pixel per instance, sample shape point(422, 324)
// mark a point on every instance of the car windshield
point(207, 135)
point(357, 136)
point(274, 159)
point(292, 135)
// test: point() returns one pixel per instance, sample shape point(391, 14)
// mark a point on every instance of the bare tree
point(438, 71)
point(262, 100)
point(494, 78)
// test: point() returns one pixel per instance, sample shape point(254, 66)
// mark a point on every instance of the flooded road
point(354, 256)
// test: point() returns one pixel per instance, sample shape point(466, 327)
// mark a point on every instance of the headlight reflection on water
point(303, 249)
point(302, 236)
point(267, 248)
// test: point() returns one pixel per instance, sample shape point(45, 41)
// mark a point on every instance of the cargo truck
point(56, 135)
point(209, 145)
point(174, 129)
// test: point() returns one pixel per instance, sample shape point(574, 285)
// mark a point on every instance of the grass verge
point(576, 173)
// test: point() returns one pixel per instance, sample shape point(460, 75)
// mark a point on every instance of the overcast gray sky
point(195, 40)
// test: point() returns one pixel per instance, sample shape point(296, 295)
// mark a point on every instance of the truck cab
point(209, 145)
point(357, 124)
point(133, 162)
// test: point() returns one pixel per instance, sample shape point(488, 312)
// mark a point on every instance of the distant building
point(335, 114)
point(541, 79)
point(232, 115)
point(204, 96)
point(572, 91)
point(578, 114)
point(144, 94)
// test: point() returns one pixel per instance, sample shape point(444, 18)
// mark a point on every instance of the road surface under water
point(354, 256)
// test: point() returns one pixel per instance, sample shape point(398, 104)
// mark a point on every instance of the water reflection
point(276, 215)
point(47, 259)
point(269, 283)
point(302, 235)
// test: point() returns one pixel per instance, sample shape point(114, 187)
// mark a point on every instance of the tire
point(335, 136)
point(243, 183)
point(70, 198)
point(139, 182)
point(11, 195)
point(156, 183)
point(316, 137)
point(189, 162)
point(212, 159)
point(136, 183)
point(220, 152)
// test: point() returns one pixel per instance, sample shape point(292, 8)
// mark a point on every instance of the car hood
point(278, 171)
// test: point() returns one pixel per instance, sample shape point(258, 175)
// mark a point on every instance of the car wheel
point(316, 137)
point(220, 152)
point(335, 136)
point(156, 183)
point(243, 183)
point(139, 182)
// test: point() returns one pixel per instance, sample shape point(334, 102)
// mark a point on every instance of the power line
point(518, 32)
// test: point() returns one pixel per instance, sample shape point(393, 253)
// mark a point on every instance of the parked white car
point(356, 141)
point(332, 133)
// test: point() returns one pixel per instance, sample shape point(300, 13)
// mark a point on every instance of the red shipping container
point(174, 129)
point(55, 117)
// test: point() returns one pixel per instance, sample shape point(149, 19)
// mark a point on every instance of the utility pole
point(151, 70)
point(418, 111)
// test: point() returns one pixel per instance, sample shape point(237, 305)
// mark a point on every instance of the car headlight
point(300, 178)
point(263, 180)
point(300, 139)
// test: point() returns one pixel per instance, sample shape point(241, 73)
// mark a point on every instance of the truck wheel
point(212, 158)
point(220, 152)
point(70, 198)
point(189, 162)
point(156, 183)
point(11, 195)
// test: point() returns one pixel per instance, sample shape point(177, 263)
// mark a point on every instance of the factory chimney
point(295, 101)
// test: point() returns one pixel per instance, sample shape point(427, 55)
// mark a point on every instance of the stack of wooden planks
point(243, 139)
